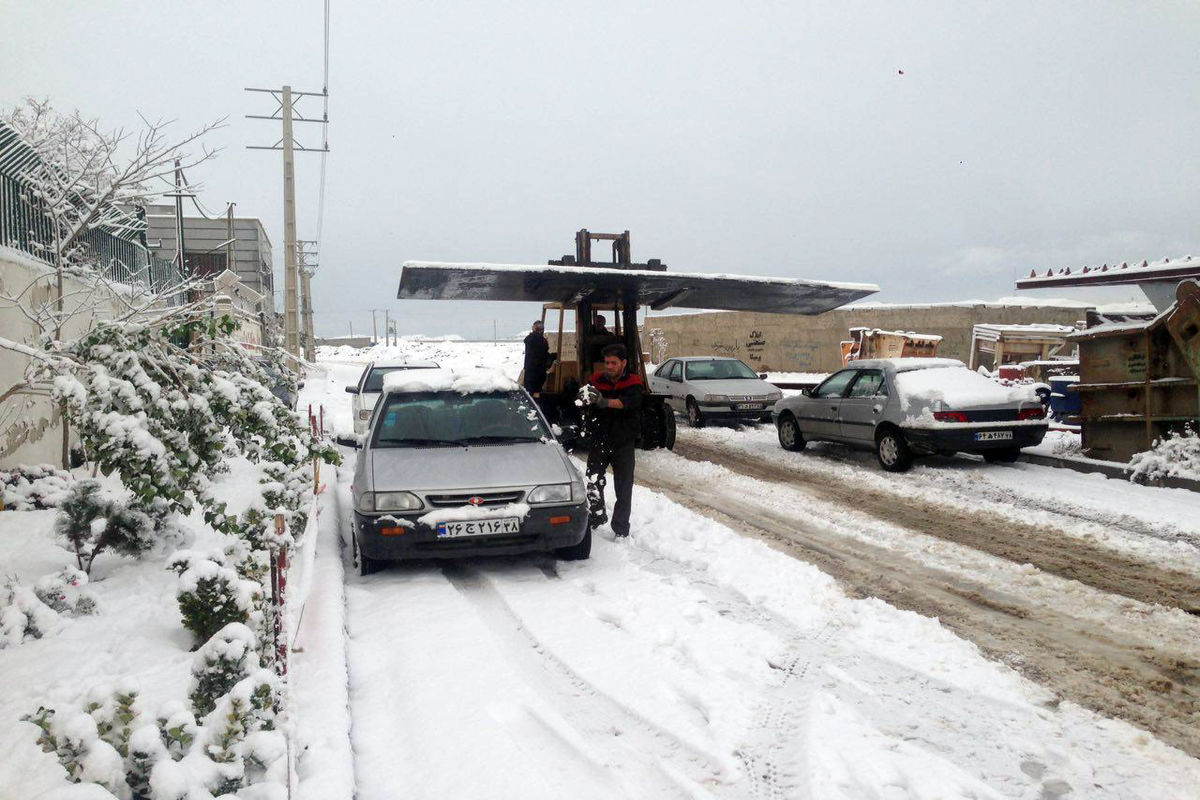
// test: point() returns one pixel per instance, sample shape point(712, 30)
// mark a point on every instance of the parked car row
point(466, 463)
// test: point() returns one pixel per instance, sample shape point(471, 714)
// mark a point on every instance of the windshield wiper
point(494, 439)
point(418, 442)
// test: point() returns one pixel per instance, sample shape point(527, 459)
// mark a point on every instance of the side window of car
point(835, 385)
point(663, 369)
point(869, 384)
point(677, 371)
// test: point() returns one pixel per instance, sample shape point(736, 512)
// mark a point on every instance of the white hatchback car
point(370, 386)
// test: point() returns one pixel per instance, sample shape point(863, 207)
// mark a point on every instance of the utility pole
point(306, 255)
point(230, 263)
point(286, 114)
point(178, 194)
point(387, 337)
point(374, 332)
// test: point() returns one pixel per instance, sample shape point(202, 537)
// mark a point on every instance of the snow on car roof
point(907, 364)
point(472, 381)
point(404, 365)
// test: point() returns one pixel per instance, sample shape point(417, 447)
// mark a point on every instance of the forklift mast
point(625, 313)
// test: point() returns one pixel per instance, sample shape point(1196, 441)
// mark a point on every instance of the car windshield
point(375, 377)
point(439, 419)
point(718, 370)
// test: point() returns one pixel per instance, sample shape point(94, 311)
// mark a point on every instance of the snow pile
point(948, 384)
point(26, 488)
point(475, 381)
point(1176, 456)
point(470, 513)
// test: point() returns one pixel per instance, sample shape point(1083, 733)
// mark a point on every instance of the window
point(433, 419)
point(676, 371)
point(835, 385)
point(665, 368)
point(375, 377)
point(869, 384)
point(719, 369)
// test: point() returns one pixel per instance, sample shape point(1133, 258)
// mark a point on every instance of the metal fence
point(25, 226)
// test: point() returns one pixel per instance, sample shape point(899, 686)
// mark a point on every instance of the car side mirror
point(352, 389)
point(762, 376)
point(807, 392)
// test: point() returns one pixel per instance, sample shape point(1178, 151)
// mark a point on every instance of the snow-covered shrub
point(77, 744)
point(24, 616)
point(211, 595)
point(177, 728)
point(220, 663)
point(1175, 456)
point(113, 712)
point(91, 522)
point(63, 592)
point(240, 736)
point(146, 749)
point(27, 488)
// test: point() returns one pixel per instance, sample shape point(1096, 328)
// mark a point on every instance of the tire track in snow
point(1049, 550)
point(1137, 678)
point(626, 736)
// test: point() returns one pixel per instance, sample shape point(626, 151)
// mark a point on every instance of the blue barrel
point(1064, 399)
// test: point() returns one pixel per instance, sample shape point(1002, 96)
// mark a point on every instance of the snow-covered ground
point(692, 661)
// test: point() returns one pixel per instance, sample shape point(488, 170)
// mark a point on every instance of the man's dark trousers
point(621, 459)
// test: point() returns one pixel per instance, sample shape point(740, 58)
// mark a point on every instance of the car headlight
point(551, 493)
point(389, 501)
point(716, 398)
point(774, 397)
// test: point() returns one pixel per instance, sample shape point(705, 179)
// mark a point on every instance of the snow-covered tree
point(89, 179)
point(91, 522)
point(226, 658)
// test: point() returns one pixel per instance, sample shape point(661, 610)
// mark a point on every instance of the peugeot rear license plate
point(478, 527)
point(993, 436)
point(749, 406)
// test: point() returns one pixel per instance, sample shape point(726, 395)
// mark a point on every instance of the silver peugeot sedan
point(906, 407)
point(705, 388)
point(462, 464)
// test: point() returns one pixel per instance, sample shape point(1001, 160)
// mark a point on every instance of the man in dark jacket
point(537, 359)
point(613, 398)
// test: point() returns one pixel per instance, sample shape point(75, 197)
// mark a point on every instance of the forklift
point(581, 286)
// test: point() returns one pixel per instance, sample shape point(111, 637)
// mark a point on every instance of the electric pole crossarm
point(280, 119)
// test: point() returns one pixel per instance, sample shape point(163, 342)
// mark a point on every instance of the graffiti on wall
point(755, 346)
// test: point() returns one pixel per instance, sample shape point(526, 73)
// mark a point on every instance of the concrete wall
point(790, 343)
point(29, 422)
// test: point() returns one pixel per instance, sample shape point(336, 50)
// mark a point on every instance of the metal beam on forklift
point(424, 280)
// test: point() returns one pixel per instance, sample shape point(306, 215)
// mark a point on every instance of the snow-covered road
point(694, 660)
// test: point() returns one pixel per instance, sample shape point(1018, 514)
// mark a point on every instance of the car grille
point(488, 498)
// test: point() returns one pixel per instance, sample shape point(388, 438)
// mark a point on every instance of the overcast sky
point(937, 149)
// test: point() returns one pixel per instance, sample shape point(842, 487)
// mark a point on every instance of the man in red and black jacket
point(614, 399)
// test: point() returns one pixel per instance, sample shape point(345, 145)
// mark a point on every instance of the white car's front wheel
point(790, 436)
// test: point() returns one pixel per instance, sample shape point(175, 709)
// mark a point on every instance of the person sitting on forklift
point(600, 338)
point(613, 398)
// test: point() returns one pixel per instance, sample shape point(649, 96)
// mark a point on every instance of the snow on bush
point(111, 745)
point(1175, 456)
point(27, 488)
point(63, 592)
point(211, 595)
point(220, 663)
point(90, 521)
point(24, 616)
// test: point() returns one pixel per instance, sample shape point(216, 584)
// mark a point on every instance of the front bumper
point(963, 439)
point(537, 534)
point(731, 410)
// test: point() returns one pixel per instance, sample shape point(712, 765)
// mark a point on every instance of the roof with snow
point(425, 280)
point(473, 381)
point(1118, 274)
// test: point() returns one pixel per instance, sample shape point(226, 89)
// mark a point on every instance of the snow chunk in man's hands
point(474, 381)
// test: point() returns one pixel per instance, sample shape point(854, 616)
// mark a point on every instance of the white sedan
point(713, 388)
point(370, 386)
